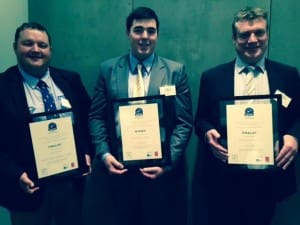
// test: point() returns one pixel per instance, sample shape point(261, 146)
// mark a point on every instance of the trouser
point(61, 205)
point(132, 199)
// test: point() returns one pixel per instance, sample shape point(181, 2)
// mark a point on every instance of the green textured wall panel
point(285, 32)
point(84, 32)
point(8, 23)
point(284, 47)
point(13, 12)
point(195, 32)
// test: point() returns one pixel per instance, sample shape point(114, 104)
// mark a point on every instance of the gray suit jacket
point(113, 84)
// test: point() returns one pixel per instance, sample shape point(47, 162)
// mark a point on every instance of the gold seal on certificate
point(141, 131)
point(54, 146)
point(250, 123)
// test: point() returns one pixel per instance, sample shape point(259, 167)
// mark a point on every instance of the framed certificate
point(142, 134)
point(54, 146)
point(251, 127)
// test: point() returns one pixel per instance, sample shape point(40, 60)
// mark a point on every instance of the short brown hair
point(248, 13)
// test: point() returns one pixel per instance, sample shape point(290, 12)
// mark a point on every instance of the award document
point(251, 127)
point(141, 131)
point(54, 147)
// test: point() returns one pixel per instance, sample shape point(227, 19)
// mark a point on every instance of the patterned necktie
point(138, 88)
point(48, 100)
point(251, 72)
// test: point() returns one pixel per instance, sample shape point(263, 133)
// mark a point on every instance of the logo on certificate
point(52, 126)
point(139, 112)
point(249, 111)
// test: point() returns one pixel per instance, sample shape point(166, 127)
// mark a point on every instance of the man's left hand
point(288, 152)
point(88, 163)
point(152, 172)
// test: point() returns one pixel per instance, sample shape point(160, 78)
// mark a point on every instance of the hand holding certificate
point(54, 147)
point(141, 132)
point(251, 126)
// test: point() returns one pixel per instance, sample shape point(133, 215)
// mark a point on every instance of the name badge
point(65, 103)
point(168, 90)
point(285, 99)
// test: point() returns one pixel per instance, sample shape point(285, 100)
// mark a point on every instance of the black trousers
point(62, 204)
point(245, 199)
point(132, 199)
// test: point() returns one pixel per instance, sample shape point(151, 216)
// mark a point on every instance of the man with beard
point(32, 87)
point(247, 195)
point(147, 195)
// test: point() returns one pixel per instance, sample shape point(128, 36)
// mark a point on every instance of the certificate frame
point(245, 121)
point(128, 121)
point(40, 123)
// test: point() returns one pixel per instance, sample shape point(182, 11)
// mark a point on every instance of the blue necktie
point(48, 100)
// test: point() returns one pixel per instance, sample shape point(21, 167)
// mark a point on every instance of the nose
point(145, 34)
point(252, 37)
point(35, 47)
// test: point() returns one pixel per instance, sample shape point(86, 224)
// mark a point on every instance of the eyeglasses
point(246, 35)
point(140, 30)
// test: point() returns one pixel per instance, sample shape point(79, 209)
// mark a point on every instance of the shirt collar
point(240, 65)
point(31, 80)
point(148, 62)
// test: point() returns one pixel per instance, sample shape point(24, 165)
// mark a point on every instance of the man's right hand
point(211, 137)
point(113, 165)
point(27, 184)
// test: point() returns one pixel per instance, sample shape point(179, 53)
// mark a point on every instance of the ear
point(233, 39)
point(127, 32)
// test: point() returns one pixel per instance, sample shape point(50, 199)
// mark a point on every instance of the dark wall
point(195, 32)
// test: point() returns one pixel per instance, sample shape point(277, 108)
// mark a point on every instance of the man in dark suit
point(150, 195)
point(21, 97)
point(236, 195)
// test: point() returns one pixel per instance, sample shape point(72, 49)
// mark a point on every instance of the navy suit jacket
point(218, 83)
point(16, 153)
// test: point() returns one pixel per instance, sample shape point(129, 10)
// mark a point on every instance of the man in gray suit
point(119, 195)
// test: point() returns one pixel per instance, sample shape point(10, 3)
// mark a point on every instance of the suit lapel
point(15, 90)
point(60, 80)
point(119, 78)
point(158, 74)
point(272, 77)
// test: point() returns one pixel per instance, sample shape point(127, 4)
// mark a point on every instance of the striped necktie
point(48, 100)
point(138, 87)
point(251, 73)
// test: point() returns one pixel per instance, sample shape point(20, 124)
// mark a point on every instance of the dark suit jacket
point(218, 83)
point(16, 153)
point(113, 84)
